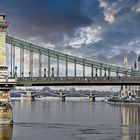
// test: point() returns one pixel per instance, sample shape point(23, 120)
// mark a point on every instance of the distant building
point(126, 90)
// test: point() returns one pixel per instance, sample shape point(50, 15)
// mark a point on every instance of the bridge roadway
point(71, 81)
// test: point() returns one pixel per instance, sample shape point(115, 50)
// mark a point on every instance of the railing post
point(44, 72)
point(15, 71)
point(29, 74)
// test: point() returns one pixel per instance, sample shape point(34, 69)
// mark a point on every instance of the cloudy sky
point(101, 29)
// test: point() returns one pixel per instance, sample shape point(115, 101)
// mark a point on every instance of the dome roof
point(139, 58)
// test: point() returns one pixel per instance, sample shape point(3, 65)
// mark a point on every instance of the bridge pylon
point(6, 84)
point(62, 97)
point(91, 97)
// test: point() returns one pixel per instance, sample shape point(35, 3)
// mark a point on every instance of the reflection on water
point(130, 118)
point(6, 132)
point(53, 120)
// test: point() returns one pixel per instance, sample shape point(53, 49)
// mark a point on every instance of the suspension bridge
point(101, 73)
point(14, 75)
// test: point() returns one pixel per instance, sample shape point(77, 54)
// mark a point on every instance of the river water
point(72, 120)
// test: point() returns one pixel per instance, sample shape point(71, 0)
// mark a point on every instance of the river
point(72, 120)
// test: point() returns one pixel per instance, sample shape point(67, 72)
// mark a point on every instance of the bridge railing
point(130, 78)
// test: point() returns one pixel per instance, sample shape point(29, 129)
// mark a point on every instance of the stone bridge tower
point(3, 65)
point(6, 83)
point(3, 26)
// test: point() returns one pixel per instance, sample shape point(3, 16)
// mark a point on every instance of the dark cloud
point(54, 20)
point(34, 18)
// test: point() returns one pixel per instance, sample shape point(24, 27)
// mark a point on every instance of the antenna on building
point(125, 62)
point(135, 65)
point(139, 62)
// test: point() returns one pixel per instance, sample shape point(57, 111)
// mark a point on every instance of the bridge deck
point(44, 81)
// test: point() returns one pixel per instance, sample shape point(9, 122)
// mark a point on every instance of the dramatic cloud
point(136, 7)
point(99, 29)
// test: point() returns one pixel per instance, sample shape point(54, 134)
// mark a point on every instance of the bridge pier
point(6, 115)
point(91, 98)
point(62, 97)
point(29, 95)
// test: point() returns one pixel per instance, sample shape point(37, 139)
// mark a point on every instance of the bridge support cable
point(100, 70)
point(92, 71)
point(13, 60)
point(31, 64)
point(75, 68)
point(52, 75)
point(49, 66)
point(40, 65)
point(21, 62)
point(109, 73)
point(96, 72)
point(57, 65)
point(66, 67)
point(105, 72)
point(83, 68)
point(11, 71)
point(117, 72)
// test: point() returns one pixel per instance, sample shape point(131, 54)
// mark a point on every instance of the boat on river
point(125, 98)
